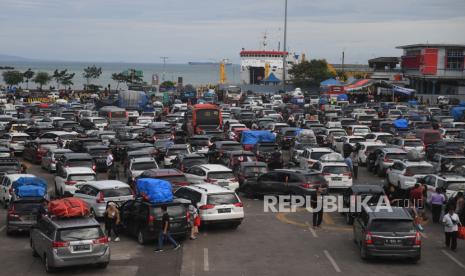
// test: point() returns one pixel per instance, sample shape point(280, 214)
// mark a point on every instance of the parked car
point(22, 214)
point(35, 150)
point(214, 174)
point(249, 170)
point(174, 176)
point(14, 141)
point(361, 191)
point(405, 174)
point(49, 160)
point(5, 185)
point(66, 179)
point(75, 160)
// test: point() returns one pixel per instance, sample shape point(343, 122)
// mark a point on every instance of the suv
point(49, 160)
point(22, 214)
point(35, 150)
point(362, 191)
point(172, 152)
point(14, 141)
point(311, 155)
point(5, 185)
point(407, 144)
point(97, 193)
point(248, 170)
point(9, 165)
point(381, 159)
point(173, 176)
point(216, 204)
point(405, 174)
point(69, 242)
point(212, 173)
point(284, 181)
point(185, 161)
point(67, 178)
point(446, 146)
point(387, 233)
point(451, 184)
point(75, 160)
point(98, 153)
point(139, 165)
point(447, 162)
point(143, 219)
point(336, 174)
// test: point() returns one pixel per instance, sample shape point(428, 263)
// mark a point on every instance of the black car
point(284, 181)
point(9, 166)
point(264, 151)
point(143, 219)
point(79, 145)
point(249, 170)
point(22, 214)
point(387, 233)
point(286, 136)
point(184, 162)
point(219, 147)
point(362, 191)
point(445, 146)
point(36, 131)
point(99, 155)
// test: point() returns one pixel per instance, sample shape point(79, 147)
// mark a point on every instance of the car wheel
point(102, 265)
point(141, 237)
point(92, 213)
point(48, 268)
point(8, 231)
point(416, 259)
point(34, 252)
point(234, 225)
point(349, 219)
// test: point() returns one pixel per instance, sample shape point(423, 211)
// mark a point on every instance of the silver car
point(69, 242)
point(49, 161)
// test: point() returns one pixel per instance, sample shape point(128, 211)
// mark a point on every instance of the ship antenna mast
point(265, 42)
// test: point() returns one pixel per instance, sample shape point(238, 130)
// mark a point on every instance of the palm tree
point(29, 74)
point(42, 78)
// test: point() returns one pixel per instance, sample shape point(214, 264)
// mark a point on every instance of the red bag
point(197, 221)
point(68, 207)
point(461, 233)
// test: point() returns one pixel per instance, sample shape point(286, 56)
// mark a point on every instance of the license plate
point(392, 242)
point(336, 178)
point(81, 247)
point(226, 210)
point(223, 183)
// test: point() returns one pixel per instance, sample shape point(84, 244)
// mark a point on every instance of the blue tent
point(330, 82)
point(272, 79)
point(252, 137)
point(343, 97)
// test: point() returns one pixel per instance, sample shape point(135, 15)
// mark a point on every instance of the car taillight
point(209, 180)
point(368, 238)
point(387, 159)
point(417, 238)
point(94, 167)
point(207, 206)
point(12, 214)
point(408, 173)
point(70, 182)
point(101, 240)
point(326, 174)
point(57, 244)
point(151, 219)
point(239, 204)
point(233, 179)
point(310, 162)
point(100, 199)
point(10, 190)
point(188, 216)
point(349, 174)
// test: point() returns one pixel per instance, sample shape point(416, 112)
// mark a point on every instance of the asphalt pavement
point(264, 244)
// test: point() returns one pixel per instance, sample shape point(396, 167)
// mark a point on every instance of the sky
point(210, 30)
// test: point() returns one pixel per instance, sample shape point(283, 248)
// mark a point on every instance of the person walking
point(194, 221)
point(164, 232)
point(110, 165)
point(451, 223)
point(317, 208)
point(437, 202)
point(349, 163)
point(112, 219)
point(354, 158)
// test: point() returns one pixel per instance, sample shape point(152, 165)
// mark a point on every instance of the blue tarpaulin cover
point(30, 187)
point(329, 82)
point(401, 123)
point(343, 97)
point(155, 190)
point(252, 137)
point(457, 112)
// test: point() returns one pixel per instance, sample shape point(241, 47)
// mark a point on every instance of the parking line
point(310, 228)
point(453, 259)
point(1, 228)
point(206, 266)
point(332, 261)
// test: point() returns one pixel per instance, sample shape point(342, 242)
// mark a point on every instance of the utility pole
point(164, 66)
point(284, 46)
point(342, 65)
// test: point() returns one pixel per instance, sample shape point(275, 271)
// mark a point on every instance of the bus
point(203, 117)
point(114, 115)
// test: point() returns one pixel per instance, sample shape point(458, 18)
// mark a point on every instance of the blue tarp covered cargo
point(252, 137)
point(154, 190)
point(457, 112)
point(343, 97)
point(400, 123)
point(30, 187)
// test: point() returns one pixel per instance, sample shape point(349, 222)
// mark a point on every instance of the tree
point(42, 78)
point(119, 78)
point(67, 79)
point(12, 77)
point(92, 72)
point(29, 74)
point(62, 76)
point(310, 73)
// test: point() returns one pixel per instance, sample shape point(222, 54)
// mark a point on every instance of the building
point(435, 69)
point(258, 66)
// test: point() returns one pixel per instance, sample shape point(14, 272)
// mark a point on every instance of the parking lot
point(265, 244)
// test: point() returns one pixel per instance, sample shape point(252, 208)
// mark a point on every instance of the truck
point(131, 99)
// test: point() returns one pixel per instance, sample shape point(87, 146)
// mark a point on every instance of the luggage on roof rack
point(154, 190)
point(68, 207)
point(29, 187)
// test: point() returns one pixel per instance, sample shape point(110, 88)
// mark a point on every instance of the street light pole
point(284, 46)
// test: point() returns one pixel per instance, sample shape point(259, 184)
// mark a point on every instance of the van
point(428, 136)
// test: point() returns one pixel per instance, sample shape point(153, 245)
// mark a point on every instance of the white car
point(337, 174)
point(339, 142)
point(216, 204)
point(172, 152)
point(99, 122)
point(408, 144)
point(67, 178)
point(98, 193)
point(66, 136)
point(311, 155)
point(5, 185)
point(138, 165)
point(451, 183)
point(366, 148)
point(144, 121)
point(359, 130)
point(214, 174)
point(405, 174)
point(383, 137)
point(14, 141)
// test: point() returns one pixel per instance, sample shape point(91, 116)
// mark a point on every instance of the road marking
point(206, 266)
point(1, 228)
point(332, 261)
point(310, 228)
point(453, 259)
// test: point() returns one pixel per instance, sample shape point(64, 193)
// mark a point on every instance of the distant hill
point(8, 58)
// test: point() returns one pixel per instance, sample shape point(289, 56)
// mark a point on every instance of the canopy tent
point(342, 97)
point(358, 85)
point(272, 79)
point(330, 82)
point(402, 90)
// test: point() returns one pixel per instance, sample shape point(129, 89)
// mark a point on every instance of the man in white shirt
point(451, 223)
point(110, 163)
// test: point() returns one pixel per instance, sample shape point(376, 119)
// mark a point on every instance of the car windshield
point(98, 152)
point(390, 225)
point(338, 133)
point(19, 138)
point(361, 130)
point(100, 121)
point(231, 147)
point(82, 177)
point(220, 175)
point(316, 155)
point(199, 141)
point(268, 148)
point(455, 186)
point(171, 152)
point(397, 156)
point(189, 162)
point(174, 179)
point(414, 143)
point(356, 140)
point(335, 169)
point(142, 166)
point(174, 211)
point(372, 148)
point(365, 118)
point(80, 163)
point(419, 170)
point(77, 234)
point(117, 192)
point(222, 199)
point(255, 171)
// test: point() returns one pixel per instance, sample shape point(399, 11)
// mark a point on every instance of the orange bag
point(461, 233)
point(68, 207)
